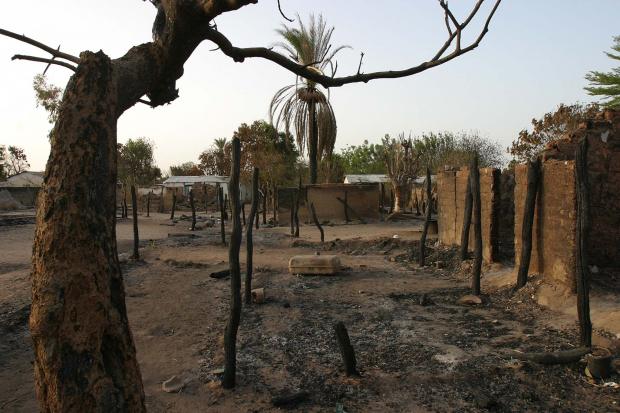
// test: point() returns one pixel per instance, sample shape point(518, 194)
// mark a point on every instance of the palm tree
point(304, 104)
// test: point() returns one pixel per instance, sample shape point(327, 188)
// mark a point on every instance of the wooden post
point(381, 201)
point(243, 213)
point(230, 334)
point(533, 178)
point(292, 213)
point(193, 206)
point(475, 188)
point(220, 195)
point(316, 222)
point(134, 214)
point(391, 201)
point(204, 188)
point(299, 194)
point(469, 200)
point(161, 201)
point(582, 272)
point(426, 221)
point(174, 204)
point(274, 196)
point(346, 349)
point(148, 204)
point(248, 238)
point(265, 193)
point(351, 210)
point(124, 203)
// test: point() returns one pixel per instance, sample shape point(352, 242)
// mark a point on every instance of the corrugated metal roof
point(176, 181)
point(24, 179)
point(367, 178)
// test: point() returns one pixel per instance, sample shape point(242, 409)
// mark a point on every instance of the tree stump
point(346, 349)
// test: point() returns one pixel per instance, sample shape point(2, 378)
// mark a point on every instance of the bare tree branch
point(44, 60)
point(282, 13)
point(50, 50)
point(240, 54)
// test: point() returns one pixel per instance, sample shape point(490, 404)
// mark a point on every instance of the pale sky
point(534, 58)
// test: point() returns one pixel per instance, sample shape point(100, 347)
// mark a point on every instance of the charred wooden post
point(316, 222)
point(477, 212)
point(265, 193)
point(174, 204)
point(469, 200)
point(148, 204)
point(427, 221)
point(381, 200)
point(124, 213)
point(391, 201)
point(346, 349)
point(193, 207)
point(248, 238)
point(220, 197)
point(292, 213)
point(346, 207)
point(243, 213)
point(230, 335)
point(582, 272)
point(297, 201)
point(134, 214)
point(274, 197)
point(257, 219)
point(533, 178)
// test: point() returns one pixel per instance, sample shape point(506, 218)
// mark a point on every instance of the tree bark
point(313, 143)
point(426, 221)
point(220, 194)
point(346, 349)
point(174, 205)
point(533, 178)
point(84, 354)
point(583, 232)
point(193, 207)
point(230, 335)
point(477, 212)
point(134, 213)
point(248, 239)
point(469, 200)
point(317, 223)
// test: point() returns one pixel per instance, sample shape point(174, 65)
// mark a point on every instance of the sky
point(534, 57)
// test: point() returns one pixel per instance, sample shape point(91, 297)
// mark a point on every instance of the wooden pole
point(351, 210)
point(174, 204)
point(220, 194)
point(346, 349)
point(230, 334)
point(248, 238)
point(316, 222)
point(265, 193)
point(193, 206)
point(582, 272)
point(293, 213)
point(426, 221)
point(477, 267)
point(469, 200)
point(391, 201)
point(148, 204)
point(533, 178)
point(134, 213)
point(274, 196)
point(204, 188)
point(243, 213)
point(297, 200)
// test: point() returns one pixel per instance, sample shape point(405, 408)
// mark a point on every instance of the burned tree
point(230, 335)
point(248, 238)
point(316, 222)
point(148, 204)
point(174, 205)
point(533, 178)
point(86, 361)
point(427, 221)
point(134, 214)
point(477, 211)
point(220, 197)
point(469, 201)
point(193, 207)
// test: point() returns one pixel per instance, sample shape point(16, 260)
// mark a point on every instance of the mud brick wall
point(553, 234)
point(285, 200)
point(446, 207)
point(506, 216)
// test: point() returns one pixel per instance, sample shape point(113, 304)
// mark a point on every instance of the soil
point(439, 356)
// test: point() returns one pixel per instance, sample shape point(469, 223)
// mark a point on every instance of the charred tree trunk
point(469, 200)
point(230, 335)
point(313, 143)
point(124, 212)
point(84, 354)
point(346, 349)
point(193, 207)
point(297, 198)
point(583, 231)
point(316, 222)
point(392, 198)
point(248, 239)
point(134, 214)
point(243, 213)
point(533, 178)
point(220, 194)
point(174, 205)
point(265, 194)
point(204, 188)
point(477, 212)
point(274, 196)
point(292, 213)
point(346, 207)
point(148, 204)
point(426, 221)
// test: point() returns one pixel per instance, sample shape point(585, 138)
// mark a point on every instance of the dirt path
point(412, 358)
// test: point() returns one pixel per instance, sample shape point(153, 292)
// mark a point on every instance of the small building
point(203, 185)
point(367, 179)
point(24, 187)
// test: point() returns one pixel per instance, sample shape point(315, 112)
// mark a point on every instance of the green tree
point(48, 96)
point(13, 161)
point(186, 169)
point(607, 84)
point(304, 104)
point(136, 164)
point(363, 159)
point(3, 173)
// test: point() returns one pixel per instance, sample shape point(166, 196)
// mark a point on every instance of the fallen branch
point(550, 358)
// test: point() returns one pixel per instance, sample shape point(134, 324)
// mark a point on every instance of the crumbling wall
point(446, 207)
point(506, 217)
point(285, 202)
point(364, 199)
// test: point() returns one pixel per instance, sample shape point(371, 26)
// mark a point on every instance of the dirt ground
point(439, 357)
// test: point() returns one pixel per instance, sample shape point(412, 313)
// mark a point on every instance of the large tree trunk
point(313, 143)
point(398, 191)
point(84, 355)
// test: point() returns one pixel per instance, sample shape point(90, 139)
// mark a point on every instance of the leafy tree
point(13, 160)
point(363, 159)
point(607, 84)
point(552, 126)
point(186, 169)
point(3, 173)
point(48, 96)
point(332, 168)
point(136, 164)
point(304, 104)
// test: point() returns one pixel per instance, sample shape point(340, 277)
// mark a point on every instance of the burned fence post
point(533, 178)
point(346, 349)
point(148, 204)
point(134, 214)
point(230, 334)
point(265, 193)
point(193, 206)
point(220, 196)
point(174, 204)
point(161, 201)
point(427, 221)
point(243, 213)
point(248, 238)
point(477, 212)
point(582, 272)
point(391, 201)
point(274, 199)
point(469, 200)
point(316, 222)
point(297, 198)
point(292, 199)
point(204, 190)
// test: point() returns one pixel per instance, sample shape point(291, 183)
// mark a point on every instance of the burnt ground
point(439, 357)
